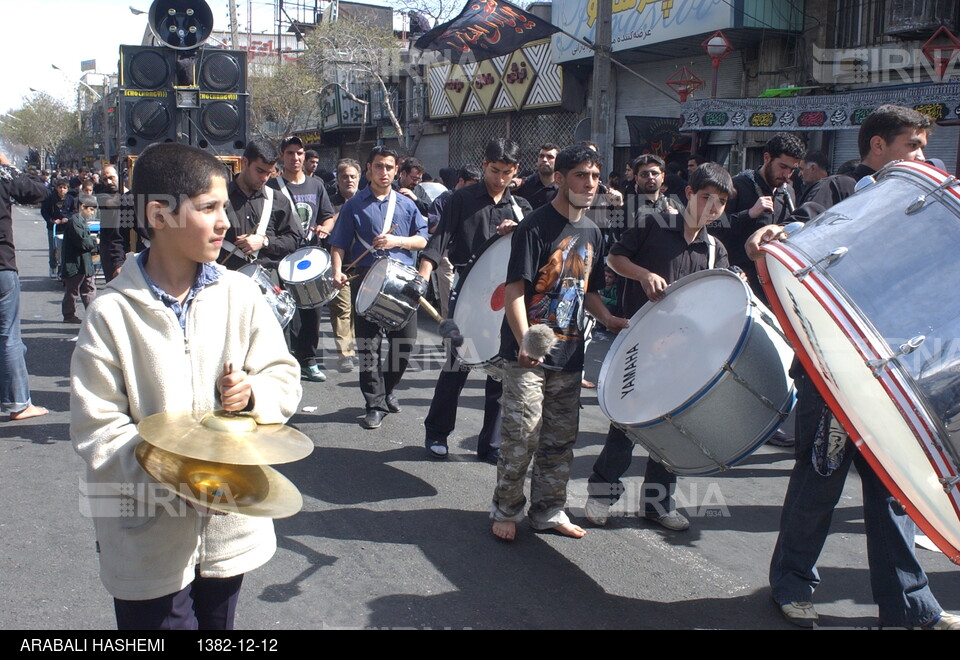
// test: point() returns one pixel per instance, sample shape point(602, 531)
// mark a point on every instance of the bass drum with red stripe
point(868, 294)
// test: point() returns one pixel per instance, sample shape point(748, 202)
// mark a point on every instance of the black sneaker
point(373, 419)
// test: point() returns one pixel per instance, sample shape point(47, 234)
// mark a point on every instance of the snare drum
point(699, 378)
point(280, 301)
point(477, 306)
point(867, 293)
point(381, 298)
point(308, 275)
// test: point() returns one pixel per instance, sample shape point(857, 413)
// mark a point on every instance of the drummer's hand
point(614, 198)
point(386, 242)
point(506, 227)
point(762, 205)
point(763, 235)
point(235, 390)
point(654, 286)
point(615, 324)
point(526, 361)
point(320, 232)
point(340, 280)
point(249, 243)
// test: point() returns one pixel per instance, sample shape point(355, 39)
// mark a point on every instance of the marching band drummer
point(263, 225)
point(900, 589)
point(159, 339)
point(378, 221)
point(652, 254)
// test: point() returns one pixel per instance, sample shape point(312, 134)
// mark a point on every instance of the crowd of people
point(570, 262)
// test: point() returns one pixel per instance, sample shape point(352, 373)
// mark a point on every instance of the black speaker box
point(146, 117)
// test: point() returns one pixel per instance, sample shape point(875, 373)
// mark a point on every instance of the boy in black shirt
point(651, 256)
point(555, 268)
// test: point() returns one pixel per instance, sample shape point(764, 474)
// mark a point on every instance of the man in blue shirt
point(382, 223)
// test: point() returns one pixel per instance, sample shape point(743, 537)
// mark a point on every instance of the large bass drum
point(699, 377)
point(476, 306)
point(868, 294)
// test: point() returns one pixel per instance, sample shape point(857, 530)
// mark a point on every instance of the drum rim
point(488, 245)
point(919, 170)
point(783, 254)
point(700, 393)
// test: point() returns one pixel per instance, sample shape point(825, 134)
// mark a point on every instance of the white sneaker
point(800, 613)
point(945, 621)
point(596, 511)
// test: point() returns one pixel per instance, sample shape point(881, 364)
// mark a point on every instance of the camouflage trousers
point(541, 415)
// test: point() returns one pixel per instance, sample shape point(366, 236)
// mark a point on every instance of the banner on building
point(659, 136)
point(485, 29)
point(816, 113)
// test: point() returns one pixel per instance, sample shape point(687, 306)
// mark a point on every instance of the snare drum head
point(304, 265)
point(372, 285)
point(674, 348)
point(478, 304)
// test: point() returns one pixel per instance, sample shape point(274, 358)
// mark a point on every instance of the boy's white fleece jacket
point(133, 360)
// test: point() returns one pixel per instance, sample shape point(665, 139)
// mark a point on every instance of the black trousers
point(442, 416)
point(204, 604)
point(377, 379)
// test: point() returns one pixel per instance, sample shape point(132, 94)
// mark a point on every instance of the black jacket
point(23, 189)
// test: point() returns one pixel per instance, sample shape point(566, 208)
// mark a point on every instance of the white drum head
point(889, 427)
point(304, 265)
point(478, 310)
point(372, 285)
point(674, 348)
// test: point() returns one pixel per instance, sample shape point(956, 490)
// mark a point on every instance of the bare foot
point(506, 530)
point(571, 530)
point(28, 412)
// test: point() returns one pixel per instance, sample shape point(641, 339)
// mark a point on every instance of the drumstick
point(365, 252)
point(431, 310)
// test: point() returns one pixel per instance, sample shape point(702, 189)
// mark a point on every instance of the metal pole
point(601, 92)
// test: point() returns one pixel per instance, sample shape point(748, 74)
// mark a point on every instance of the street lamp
point(717, 47)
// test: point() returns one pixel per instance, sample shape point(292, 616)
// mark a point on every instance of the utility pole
point(234, 37)
point(602, 119)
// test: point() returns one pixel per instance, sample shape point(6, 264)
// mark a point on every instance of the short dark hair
point(712, 175)
point(819, 159)
point(412, 163)
point(470, 173)
point(648, 159)
point(310, 153)
point(785, 144)
point(699, 159)
point(260, 149)
point(888, 121)
point(577, 154)
point(502, 150)
point(344, 163)
point(169, 172)
point(548, 146)
point(61, 182)
point(383, 152)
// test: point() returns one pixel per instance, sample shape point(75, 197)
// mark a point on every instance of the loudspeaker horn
point(181, 24)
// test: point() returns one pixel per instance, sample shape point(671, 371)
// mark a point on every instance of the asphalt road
point(391, 539)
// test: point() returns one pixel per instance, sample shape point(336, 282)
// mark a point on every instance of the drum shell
point(725, 414)
point(739, 406)
point(281, 303)
point(311, 291)
point(382, 299)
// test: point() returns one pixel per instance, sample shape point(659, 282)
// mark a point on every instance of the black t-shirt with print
point(310, 200)
point(559, 262)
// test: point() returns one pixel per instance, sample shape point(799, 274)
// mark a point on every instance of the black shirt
point(283, 229)
point(533, 190)
point(559, 262)
point(736, 226)
point(470, 217)
point(658, 244)
point(24, 189)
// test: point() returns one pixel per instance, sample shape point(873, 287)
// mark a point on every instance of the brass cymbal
point(252, 490)
point(224, 437)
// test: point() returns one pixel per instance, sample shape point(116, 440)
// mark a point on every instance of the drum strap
point(283, 188)
point(711, 251)
point(387, 219)
point(517, 211)
point(267, 210)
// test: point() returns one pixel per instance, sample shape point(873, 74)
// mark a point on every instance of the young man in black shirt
point(555, 270)
point(651, 256)
point(539, 188)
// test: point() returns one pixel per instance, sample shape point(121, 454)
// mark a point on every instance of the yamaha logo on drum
point(629, 371)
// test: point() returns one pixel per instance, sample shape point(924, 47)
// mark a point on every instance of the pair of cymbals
point(220, 461)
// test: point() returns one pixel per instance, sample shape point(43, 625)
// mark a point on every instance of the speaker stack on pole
point(181, 91)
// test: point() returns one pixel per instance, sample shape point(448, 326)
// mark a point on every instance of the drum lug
point(949, 483)
point(828, 259)
point(908, 347)
point(921, 201)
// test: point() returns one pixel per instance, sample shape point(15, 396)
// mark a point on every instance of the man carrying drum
point(263, 225)
point(900, 588)
point(473, 215)
point(658, 250)
point(379, 222)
